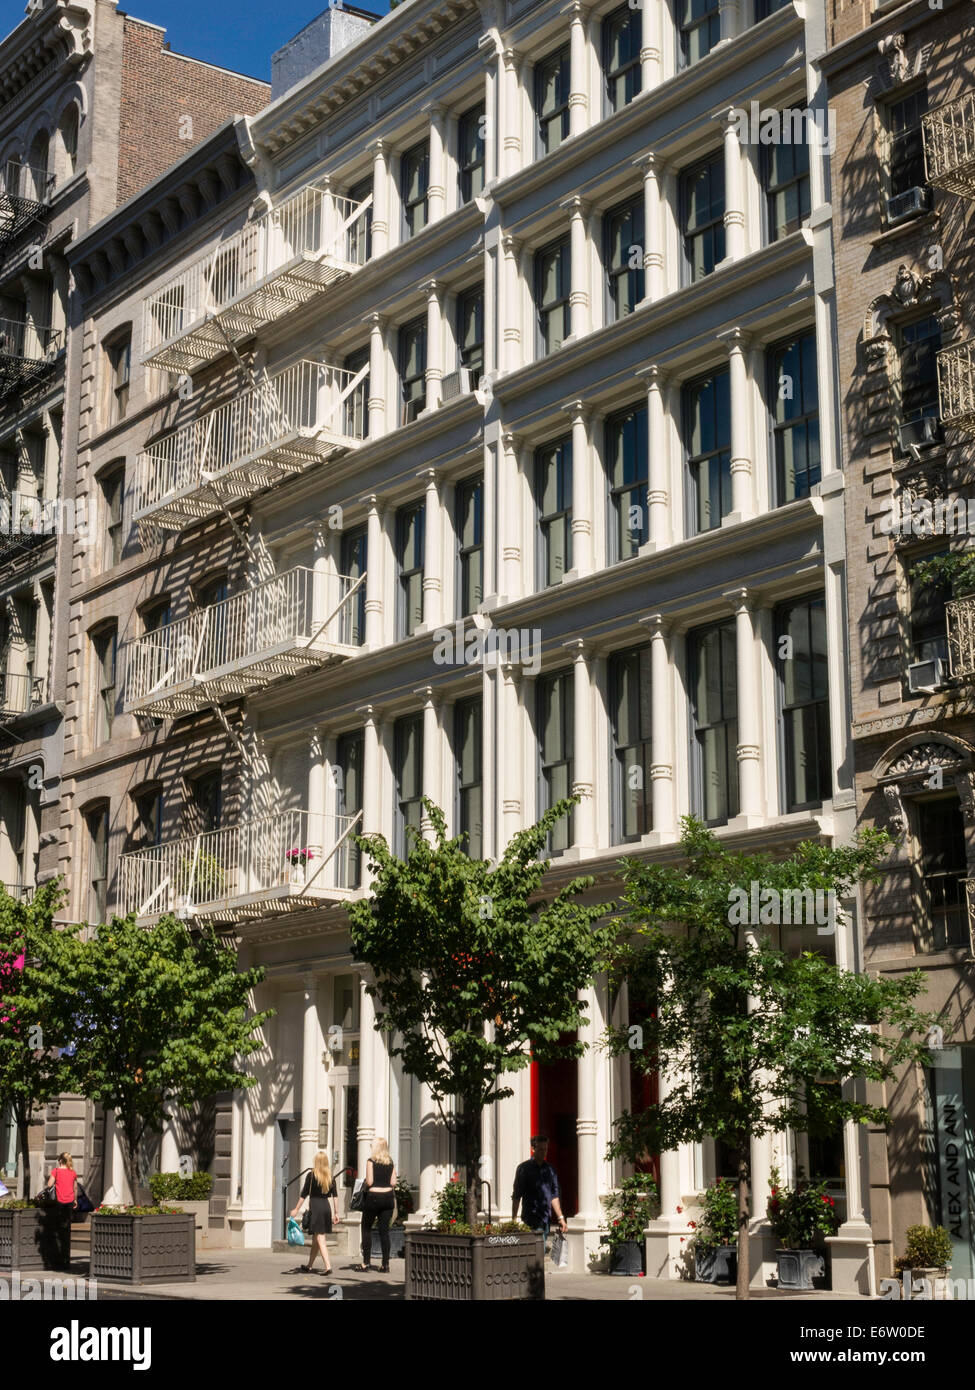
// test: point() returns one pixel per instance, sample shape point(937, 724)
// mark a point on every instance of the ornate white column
point(430, 773)
point(374, 572)
point(583, 781)
point(311, 1051)
point(650, 68)
point(659, 530)
point(366, 1132)
point(579, 316)
point(586, 1120)
point(578, 69)
point(662, 729)
point(510, 518)
point(169, 1144)
point(654, 282)
point(372, 779)
point(493, 73)
point(434, 368)
point(581, 509)
point(511, 770)
point(509, 309)
point(380, 198)
point(377, 375)
point(436, 183)
point(490, 501)
point(317, 838)
point(432, 527)
point(749, 708)
point(742, 488)
point(729, 12)
point(510, 112)
point(734, 193)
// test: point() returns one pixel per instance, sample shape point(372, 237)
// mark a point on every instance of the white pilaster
point(509, 309)
point(311, 1050)
point(434, 368)
point(511, 770)
point(750, 809)
point(366, 1132)
point(432, 547)
point(380, 198)
point(654, 283)
point(659, 527)
point(436, 183)
point(650, 53)
point(374, 574)
point(510, 112)
point(377, 374)
point(579, 309)
point(578, 69)
point(432, 761)
point(663, 809)
point(734, 194)
point(510, 519)
point(317, 839)
point(586, 1121)
point(742, 476)
point(583, 780)
point(581, 490)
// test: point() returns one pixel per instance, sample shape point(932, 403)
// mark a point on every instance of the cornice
point(912, 15)
point(55, 35)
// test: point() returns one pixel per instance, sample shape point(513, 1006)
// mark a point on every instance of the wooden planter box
point(474, 1269)
point(36, 1238)
point(143, 1249)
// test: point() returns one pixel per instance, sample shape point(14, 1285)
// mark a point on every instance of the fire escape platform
point(265, 902)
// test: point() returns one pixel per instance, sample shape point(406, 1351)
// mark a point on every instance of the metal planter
point(474, 1269)
point(716, 1264)
point(36, 1238)
point(798, 1268)
point(629, 1257)
point(143, 1249)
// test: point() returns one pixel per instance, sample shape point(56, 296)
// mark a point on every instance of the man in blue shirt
point(537, 1189)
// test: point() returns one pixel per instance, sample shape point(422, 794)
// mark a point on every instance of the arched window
point(40, 154)
point(68, 140)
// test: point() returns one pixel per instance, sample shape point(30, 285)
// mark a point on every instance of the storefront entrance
point(554, 1109)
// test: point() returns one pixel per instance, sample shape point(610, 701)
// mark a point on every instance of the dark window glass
point(408, 766)
point(552, 286)
point(410, 526)
point(105, 644)
point(804, 693)
point(147, 831)
point(353, 562)
point(113, 491)
point(702, 212)
point(356, 410)
point(906, 142)
point(97, 822)
point(348, 802)
point(624, 258)
point(206, 798)
point(470, 153)
point(553, 499)
point(787, 186)
point(414, 181)
point(707, 443)
point(763, 8)
point(470, 545)
point(699, 28)
point(555, 751)
point(470, 333)
point(714, 715)
point(120, 361)
point(626, 466)
point(942, 869)
point(467, 746)
point(412, 367)
point(929, 635)
point(552, 83)
point(794, 389)
point(359, 236)
point(156, 615)
point(622, 41)
point(919, 344)
point(629, 683)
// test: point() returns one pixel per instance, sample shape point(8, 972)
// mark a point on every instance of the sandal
point(384, 1269)
point(362, 1269)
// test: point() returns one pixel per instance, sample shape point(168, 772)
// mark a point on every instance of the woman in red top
point(64, 1180)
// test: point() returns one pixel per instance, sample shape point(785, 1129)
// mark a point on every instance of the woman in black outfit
point(379, 1203)
point(323, 1203)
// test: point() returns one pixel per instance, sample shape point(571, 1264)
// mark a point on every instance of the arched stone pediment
point(917, 754)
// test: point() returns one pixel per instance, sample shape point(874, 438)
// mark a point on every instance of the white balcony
point(24, 195)
point(960, 614)
point(278, 261)
point(26, 351)
point(956, 386)
point(20, 692)
point(949, 146)
point(290, 623)
point(284, 425)
point(279, 863)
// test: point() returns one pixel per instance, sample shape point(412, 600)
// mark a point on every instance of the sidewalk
point(231, 1275)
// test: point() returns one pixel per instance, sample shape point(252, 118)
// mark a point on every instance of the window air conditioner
point(924, 676)
point(905, 205)
point(926, 430)
point(456, 384)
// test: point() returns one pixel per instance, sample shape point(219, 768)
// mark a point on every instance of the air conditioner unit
point(919, 433)
point(456, 384)
point(924, 676)
point(905, 205)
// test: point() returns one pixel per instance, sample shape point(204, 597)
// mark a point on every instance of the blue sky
point(238, 34)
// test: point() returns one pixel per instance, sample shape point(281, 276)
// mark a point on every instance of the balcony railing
point(961, 635)
point(26, 351)
point(20, 692)
point(24, 196)
point(956, 386)
point(287, 624)
point(279, 863)
point(970, 913)
point(283, 425)
point(949, 146)
point(280, 260)
point(22, 892)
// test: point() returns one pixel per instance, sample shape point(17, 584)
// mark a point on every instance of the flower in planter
point(801, 1217)
point(629, 1211)
point(299, 856)
point(718, 1224)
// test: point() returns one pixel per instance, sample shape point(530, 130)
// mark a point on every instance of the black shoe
point(384, 1269)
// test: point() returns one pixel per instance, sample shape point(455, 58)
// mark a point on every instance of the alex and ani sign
point(953, 1167)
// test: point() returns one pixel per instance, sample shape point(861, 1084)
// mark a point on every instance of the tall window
point(356, 417)
point(470, 332)
point(147, 830)
point(918, 345)
point(555, 751)
point(626, 468)
point(105, 650)
point(470, 153)
point(624, 257)
point(552, 285)
point(552, 83)
point(155, 615)
point(120, 368)
point(928, 623)
point(348, 802)
point(714, 718)
point(702, 214)
point(408, 770)
point(794, 392)
point(113, 494)
point(629, 683)
point(622, 41)
point(942, 869)
point(804, 694)
point(359, 236)
point(410, 526)
point(905, 145)
point(699, 28)
point(413, 367)
point(97, 823)
point(414, 181)
point(553, 500)
point(470, 545)
point(467, 751)
point(206, 802)
point(707, 443)
point(353, 563)
point(68, 131)
point(787, 186)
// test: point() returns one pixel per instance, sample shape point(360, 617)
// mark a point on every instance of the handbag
point(306, 1220)
point(47, 1196)
point(358, 1198)
point(295, 1236)
point(84, 1201)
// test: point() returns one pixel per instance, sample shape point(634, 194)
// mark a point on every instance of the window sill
point(910, 224)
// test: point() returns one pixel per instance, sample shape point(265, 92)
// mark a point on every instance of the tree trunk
point(131, 1136)
point(22, 1144)
point(471, 1142)
point(744, 1272)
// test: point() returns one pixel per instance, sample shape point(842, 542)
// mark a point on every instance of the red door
point(554, 1107)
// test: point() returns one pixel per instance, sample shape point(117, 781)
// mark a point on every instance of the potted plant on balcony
point(927, 1262)
point(143, 1245)
point(801, 1218)
point(198, 879)
point(628, 1210)
point(32, 1236)
point(299, 859)
point(715, 1240)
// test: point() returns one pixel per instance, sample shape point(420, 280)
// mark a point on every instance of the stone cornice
point(911, 15)
point(56, 35)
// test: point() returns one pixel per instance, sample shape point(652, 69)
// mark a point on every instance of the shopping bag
point(84, 1201)
point(295, 1236)
point(560, 1251)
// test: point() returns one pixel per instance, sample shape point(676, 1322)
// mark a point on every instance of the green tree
point(751, 1039)
point(475, 973)
point(163, 1017)
point(39, 969)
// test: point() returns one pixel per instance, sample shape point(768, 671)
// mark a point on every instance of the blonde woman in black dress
point(320, 1190)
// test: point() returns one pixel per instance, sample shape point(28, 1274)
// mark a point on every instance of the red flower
point(692, 1225)
point(680, 1208)
point(640, 1275)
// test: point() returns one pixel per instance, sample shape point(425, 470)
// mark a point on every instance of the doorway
point(283, 1194)
point(554, 1108)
